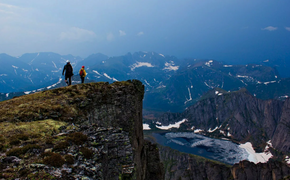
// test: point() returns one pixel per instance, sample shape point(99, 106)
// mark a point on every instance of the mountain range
point(172, 84)
point(238, 102)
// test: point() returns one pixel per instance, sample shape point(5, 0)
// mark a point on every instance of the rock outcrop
point(100, 136)
point(186, 167)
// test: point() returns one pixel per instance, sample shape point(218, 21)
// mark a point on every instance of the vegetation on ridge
point(59, 104)
point(44, 133)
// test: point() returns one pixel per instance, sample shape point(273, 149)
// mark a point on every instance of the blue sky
point(225, 30)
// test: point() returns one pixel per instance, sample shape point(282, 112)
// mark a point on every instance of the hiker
point(68, 72)
point(83, 74)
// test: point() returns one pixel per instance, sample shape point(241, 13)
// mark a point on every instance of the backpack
point(69, 69)
point(81, 72)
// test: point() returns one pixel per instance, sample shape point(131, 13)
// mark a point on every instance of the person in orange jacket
point(82, 74)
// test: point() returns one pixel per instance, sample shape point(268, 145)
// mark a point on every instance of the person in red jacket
point(82, 74)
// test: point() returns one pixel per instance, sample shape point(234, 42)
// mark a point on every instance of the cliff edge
point(85, 131)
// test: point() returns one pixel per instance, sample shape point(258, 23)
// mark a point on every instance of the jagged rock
point(240, 114)
point(99, 134)
point(186, 167)
point(266, 171)
point(11, 159)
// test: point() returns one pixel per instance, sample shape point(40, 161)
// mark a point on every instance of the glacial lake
point(215, 149)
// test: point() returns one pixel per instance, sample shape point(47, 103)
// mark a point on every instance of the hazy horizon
point(224, 30)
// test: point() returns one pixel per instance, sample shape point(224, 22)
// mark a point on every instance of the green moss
point(2, 139)
point(86, 152)
point(95, 143)
point(33, 129)
point(69, 159)
point(40, 176)
point(1, 147)
point(54, 159)
point(59, 104)
point(60, 146)
point(78, 138)
point(15, 139)
point(22, 150)
point(8, 175)
point(24, 172)
point(49, 140)
point(46, 154)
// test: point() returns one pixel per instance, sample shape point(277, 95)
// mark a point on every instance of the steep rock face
point(281, 137)
point(239, 114)
point(266, 171)
point(117, 106)
point(186, 167)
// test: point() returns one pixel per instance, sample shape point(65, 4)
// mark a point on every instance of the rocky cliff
point(186, 167)
point(86, 131)
point(238, 116)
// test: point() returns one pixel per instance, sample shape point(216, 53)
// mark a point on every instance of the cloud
point(110, 36)
point(140, 33)
point(270, 28)
point(8, 9)
point(8, 6)
point(122, 33)
point(287, 28)
point(77, 34)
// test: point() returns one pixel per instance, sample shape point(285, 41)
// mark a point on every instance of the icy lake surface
point(216, 149)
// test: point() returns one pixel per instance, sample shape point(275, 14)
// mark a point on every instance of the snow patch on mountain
point(15, 67)
point(59, 81)
point(140, 64)
point(33, 59)
point(146, 127)
point(176, 125)
point(257, 157)
point(210, 130)
point(287, 159)
point(27, 92)
point(208, 85)
point(198, 130)
point(223, 132)
point(218, 93)
point(228, 65)
point(240, 76)
point(54, 64)
point(162, 55)
point(190, 98)
point(3, 74)
point(96, 72)
point(269, 82)
point(147, 83)
point(209, 63)
point(107, 76)
point(170, 66)
point(161, 86)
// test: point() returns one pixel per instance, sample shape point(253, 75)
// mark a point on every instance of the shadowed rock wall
point(187, 167)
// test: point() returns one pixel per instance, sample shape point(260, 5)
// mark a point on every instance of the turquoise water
point(215, 149)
